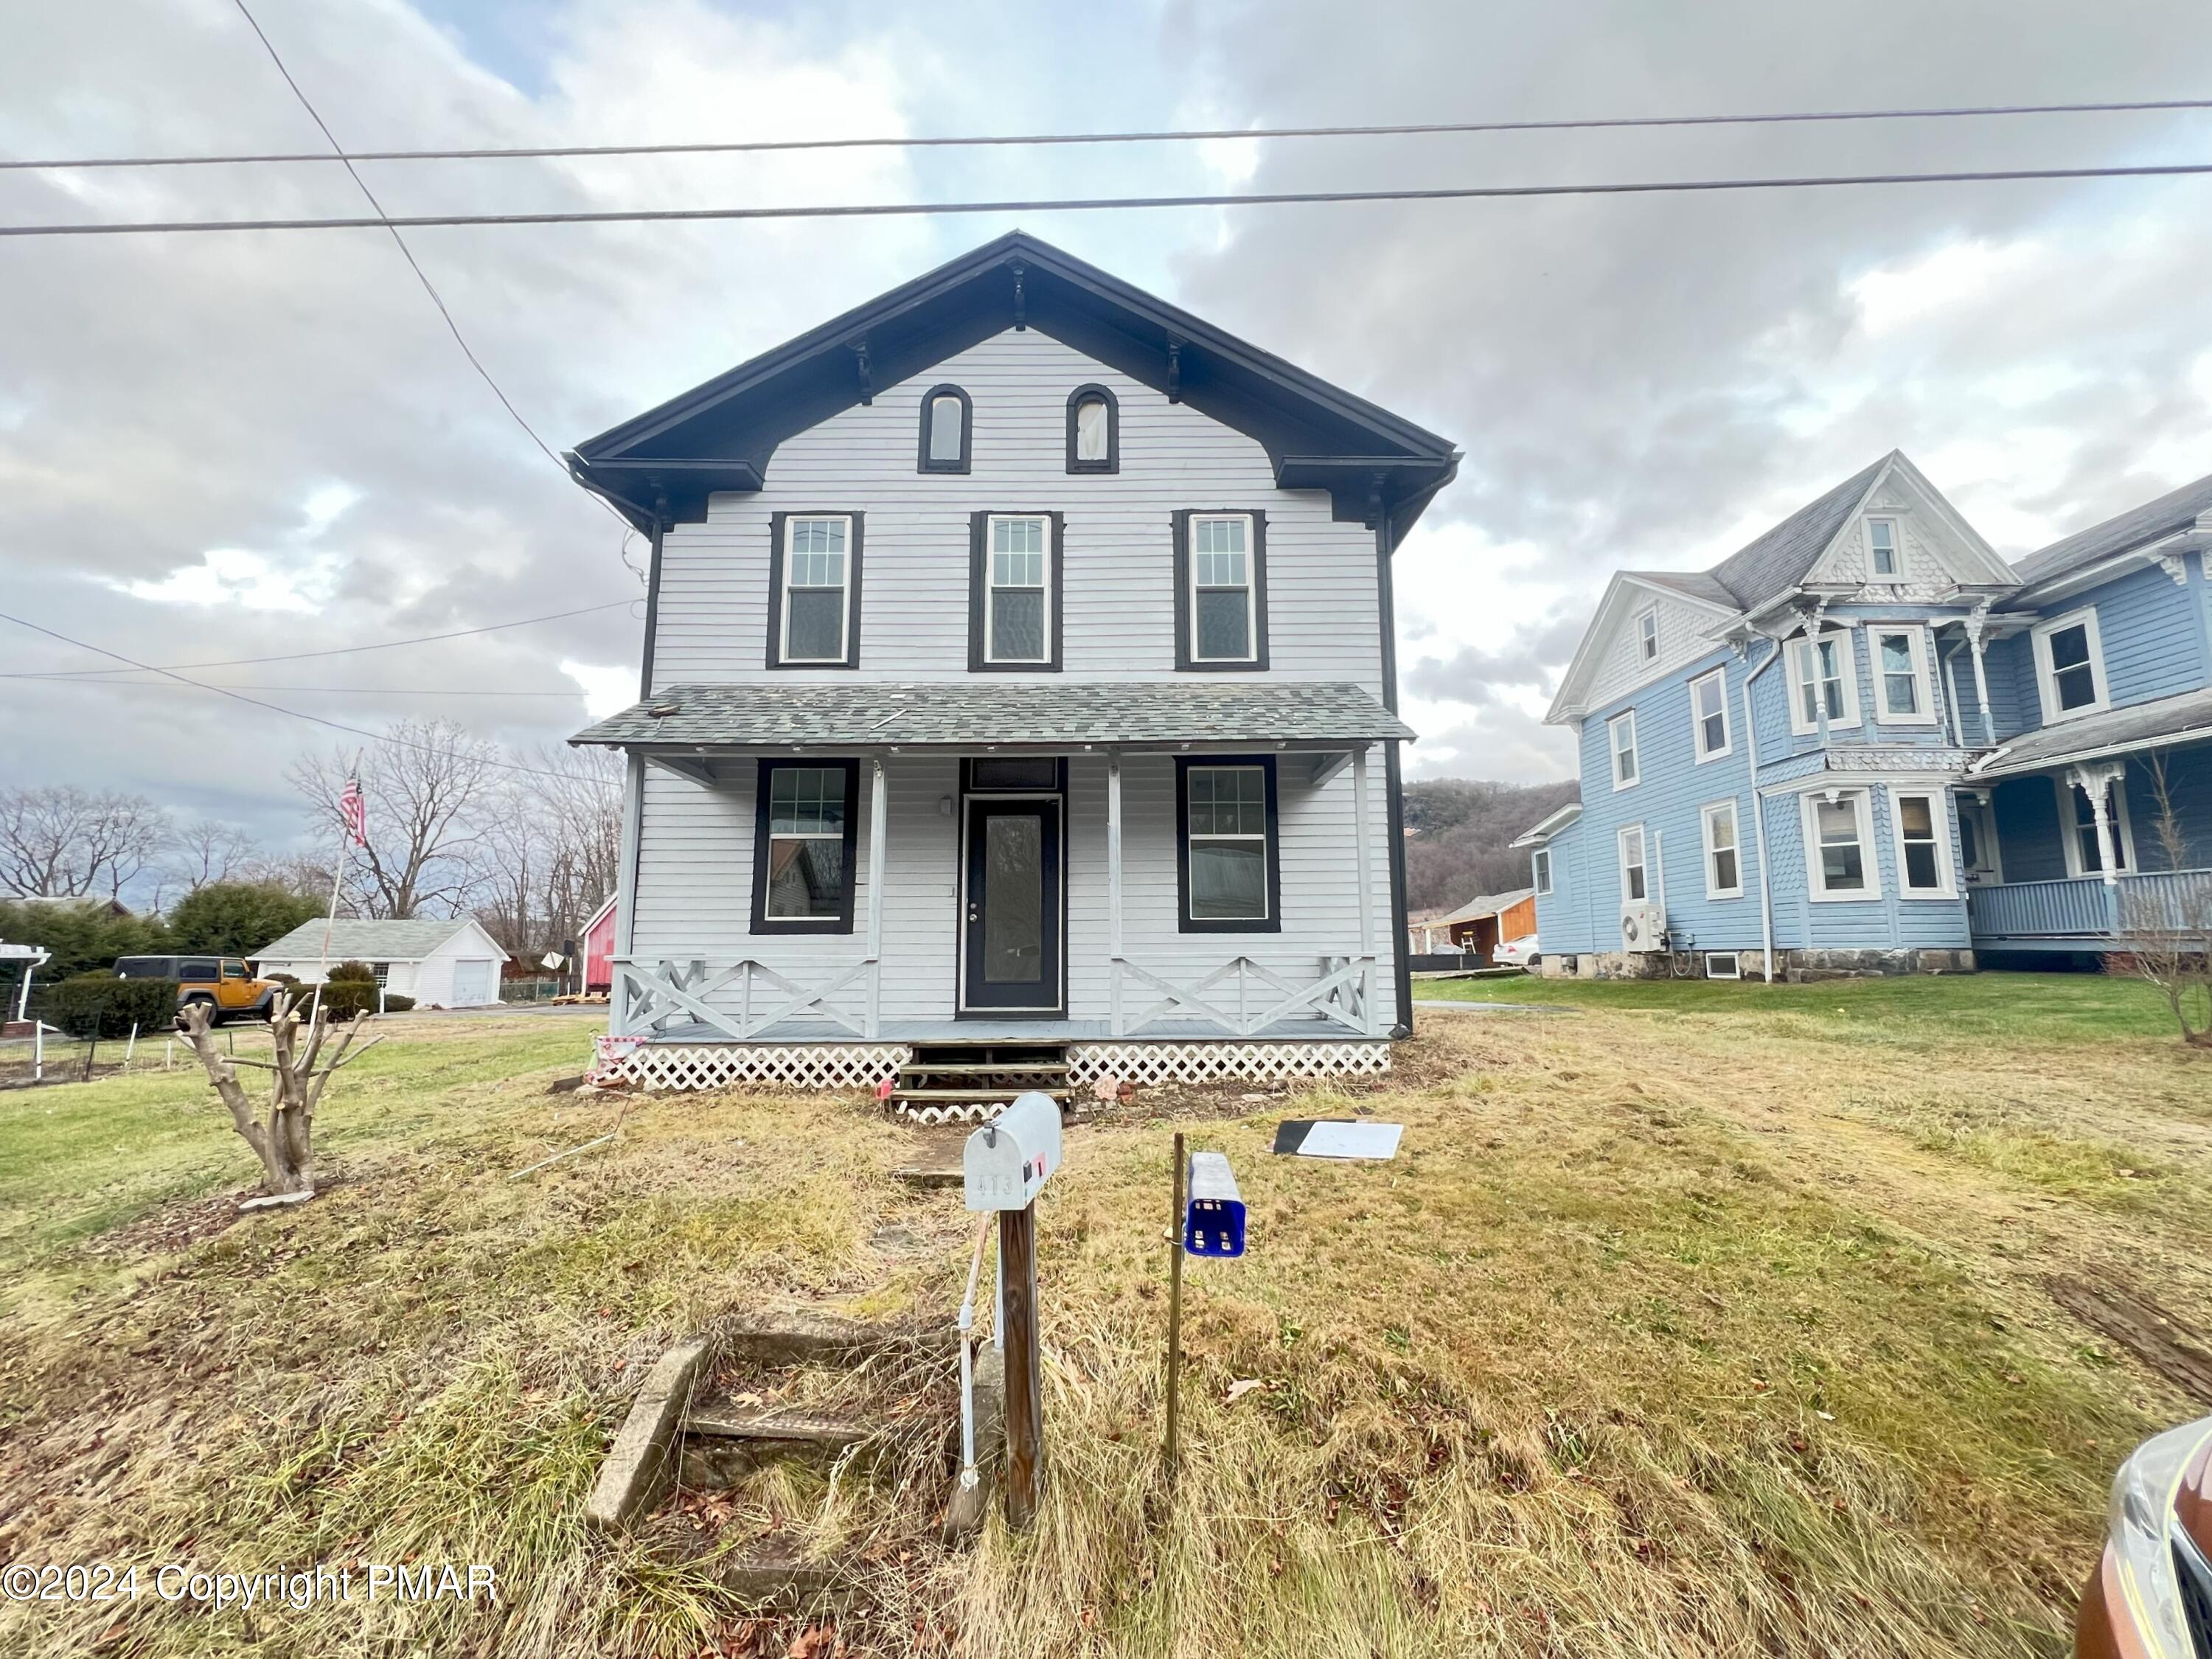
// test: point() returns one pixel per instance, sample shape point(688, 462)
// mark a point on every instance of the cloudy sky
point(223, 448)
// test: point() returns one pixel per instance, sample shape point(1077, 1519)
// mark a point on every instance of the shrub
point(396, 1004)
point(289, 982)
point(344, 998)
point(352, 972)
point(237, 918)
point(98, 1004)
point(81, 936)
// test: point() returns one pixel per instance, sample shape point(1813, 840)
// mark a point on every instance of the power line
point(572, 693)
point(279, 708)
point(1426, 129)
point(332, 651)
point(1097, 203)
point(420, 276)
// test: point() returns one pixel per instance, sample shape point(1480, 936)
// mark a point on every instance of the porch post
point(2093, 781)
point(626, 896)
point(1113, 891)
point(1361, 834)
point(1977, 619)
point(878, 813)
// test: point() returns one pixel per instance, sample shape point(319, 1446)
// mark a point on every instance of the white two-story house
point(1018, 703)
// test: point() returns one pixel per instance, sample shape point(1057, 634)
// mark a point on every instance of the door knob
point(972, 916)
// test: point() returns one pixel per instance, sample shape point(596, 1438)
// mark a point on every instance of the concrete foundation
point(1797, 966)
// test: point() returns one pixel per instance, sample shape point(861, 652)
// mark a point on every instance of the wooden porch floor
point(1016, 1031)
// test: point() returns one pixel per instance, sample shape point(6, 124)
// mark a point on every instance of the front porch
point(2087, 912)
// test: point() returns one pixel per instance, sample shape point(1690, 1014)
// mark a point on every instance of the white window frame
point(1802, 661)
point(1641, 862)
point(1924, 677)
point(784, 657)
point(1716, 677)
point(1733, 958)
point(1869, 857)
point(1939, 814)
point(1705, 815)
point(1540, 872)
point(1251, 585)
point(991, 523)
point(1647, 634)
point(2123, 838)
point(1612, 729)
point(1875, 572)
point(2046, 678)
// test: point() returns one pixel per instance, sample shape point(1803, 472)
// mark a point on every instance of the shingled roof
point(1005, 712)
point(1781, 558)
point(364, 938)
point(2176, 510)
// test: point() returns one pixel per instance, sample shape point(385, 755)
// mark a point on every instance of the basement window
point(1723, 964)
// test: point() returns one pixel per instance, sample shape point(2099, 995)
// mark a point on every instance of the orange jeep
point(224, 983)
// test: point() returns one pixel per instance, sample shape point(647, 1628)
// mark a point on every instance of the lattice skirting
point(1198, 1062)
point(719, 1064)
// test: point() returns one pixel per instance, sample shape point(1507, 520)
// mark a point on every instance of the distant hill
point(1458, 831)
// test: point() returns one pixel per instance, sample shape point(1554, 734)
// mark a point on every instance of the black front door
point(1011, 938)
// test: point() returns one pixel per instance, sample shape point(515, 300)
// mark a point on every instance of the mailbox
point(1213, 1212)
point(1007, 1160)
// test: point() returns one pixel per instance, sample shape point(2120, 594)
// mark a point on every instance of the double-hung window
point(1838, 845)
point(1014, 610)
point(1634, 889)
point(1883, 563)
point(1709, 713)
point(2085, 855)
point(1227, 858)
point(804, 827)
point(814, 590)
point(1646, 636)
point(1903, 693)
point(2069, 665)
point(1621, 731)
point(1723, 861)
point(1221, 590)
point(1923, 858)
point(1539, 867)
point(1822, 681)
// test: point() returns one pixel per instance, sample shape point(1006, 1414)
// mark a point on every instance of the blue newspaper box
point(1213, 1211)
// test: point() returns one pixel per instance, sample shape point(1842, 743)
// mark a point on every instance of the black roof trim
point(737, 419)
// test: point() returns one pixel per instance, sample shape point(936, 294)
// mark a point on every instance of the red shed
point(599, 948)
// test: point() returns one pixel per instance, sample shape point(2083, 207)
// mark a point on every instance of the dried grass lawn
point(1691, 1319)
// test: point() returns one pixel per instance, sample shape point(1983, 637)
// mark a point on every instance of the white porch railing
point(2088, 907)
point(1245, 998)
point(653, 993)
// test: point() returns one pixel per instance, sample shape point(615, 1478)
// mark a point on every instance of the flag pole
point(338, 877)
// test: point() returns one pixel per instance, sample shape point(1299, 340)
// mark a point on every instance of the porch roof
point(2183, 718)
point(1005, 712)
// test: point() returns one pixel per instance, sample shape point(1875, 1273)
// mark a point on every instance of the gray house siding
point(694, 883)
point(1323, 619)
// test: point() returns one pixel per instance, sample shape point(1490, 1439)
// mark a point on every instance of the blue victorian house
point(1865, 743)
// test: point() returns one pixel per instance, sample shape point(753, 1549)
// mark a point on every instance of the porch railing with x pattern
point(655, 993)
point(1246, 998)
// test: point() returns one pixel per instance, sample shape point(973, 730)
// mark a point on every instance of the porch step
point(977, 1094)
point(970, 1069)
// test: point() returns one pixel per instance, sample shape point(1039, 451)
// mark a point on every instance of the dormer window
point(1882, 561)
point(1646, 636)
point(946, 439)
point(1094, 430)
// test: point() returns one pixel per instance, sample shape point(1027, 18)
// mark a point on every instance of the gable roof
point(1772, 564)
point(722, 434)
point(353, 937)
point(1487, 905)
point(1701, 585)
point(2178, 510)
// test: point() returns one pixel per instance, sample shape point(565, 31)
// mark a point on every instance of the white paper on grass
point(1351, 1140)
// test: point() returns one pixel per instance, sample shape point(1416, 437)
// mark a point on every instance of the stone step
point(997, 1068)
point(988, 1092)
point(796, 1428)
point(793, 1339)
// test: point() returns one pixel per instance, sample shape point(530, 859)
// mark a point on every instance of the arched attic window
point(946, 430)
point(1094, 430)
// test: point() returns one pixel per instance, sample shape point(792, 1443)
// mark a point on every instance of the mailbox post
point(1209, 1220)
point(1003, 1168)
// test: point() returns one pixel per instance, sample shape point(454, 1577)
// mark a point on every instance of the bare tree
point(284, 1137)
point(61, 841)
point(550, 852)
point(205, 852)
point(2166, 922)
point(431, 789)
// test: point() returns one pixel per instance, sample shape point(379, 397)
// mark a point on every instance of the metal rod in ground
point(1175, 1321)
point(1024, 1374)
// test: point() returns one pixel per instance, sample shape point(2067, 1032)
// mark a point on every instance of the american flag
point(353, 808)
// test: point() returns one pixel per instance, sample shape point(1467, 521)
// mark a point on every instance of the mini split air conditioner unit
point(1643, 927)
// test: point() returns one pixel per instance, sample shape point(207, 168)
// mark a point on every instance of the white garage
point(452, 963)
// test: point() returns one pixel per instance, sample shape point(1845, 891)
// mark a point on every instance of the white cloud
point(233, 575)
point(608, 687)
